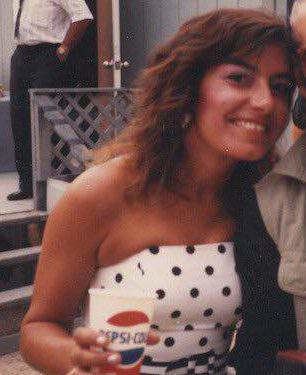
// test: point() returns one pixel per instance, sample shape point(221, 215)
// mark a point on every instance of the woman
point(162, 214)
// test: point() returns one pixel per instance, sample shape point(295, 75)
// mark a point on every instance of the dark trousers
point(32, 67)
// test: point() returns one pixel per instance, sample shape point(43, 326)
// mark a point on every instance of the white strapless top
point(198, 297)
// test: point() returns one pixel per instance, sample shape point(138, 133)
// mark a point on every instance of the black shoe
point(19, 195)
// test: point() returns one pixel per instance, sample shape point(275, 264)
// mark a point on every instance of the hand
point(91, 352)
point(62, 52)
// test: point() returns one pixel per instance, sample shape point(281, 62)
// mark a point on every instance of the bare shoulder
point(95, 197)
point(101, 186)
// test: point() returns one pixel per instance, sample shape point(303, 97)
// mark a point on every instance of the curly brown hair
point(167, 89)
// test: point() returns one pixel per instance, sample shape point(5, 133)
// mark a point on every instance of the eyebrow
point(238, 61)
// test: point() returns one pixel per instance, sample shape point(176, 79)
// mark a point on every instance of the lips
point(128, 319)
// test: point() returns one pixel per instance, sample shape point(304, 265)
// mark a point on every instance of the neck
point(205, 171)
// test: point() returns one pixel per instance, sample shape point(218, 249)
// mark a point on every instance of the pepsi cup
point(125, 320)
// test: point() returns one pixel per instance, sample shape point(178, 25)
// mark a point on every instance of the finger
point(153, 338)
point(86, 359)
point(87, 337)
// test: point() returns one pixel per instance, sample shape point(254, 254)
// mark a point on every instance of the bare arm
point(75, 33)
point(73, 36)
point(67, 263)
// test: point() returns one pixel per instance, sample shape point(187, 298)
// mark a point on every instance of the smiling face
point(243, 105)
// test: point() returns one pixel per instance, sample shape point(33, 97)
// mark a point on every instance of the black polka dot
point(210, 367)
point(176, 271)
point(218, 325)
point(147, 359)
point(118, 278)
point(208, 312)
point(238, 310)
point(102, 287)
point(160, 293)
point(154, 326)
point(221, 249)
point(226, 291)
point(175, 314)
point(209, 270)
point(154, 249)
point(169, 341)
point(189, 327)
point(203, 341)
point(190, 249)
point(194, 292)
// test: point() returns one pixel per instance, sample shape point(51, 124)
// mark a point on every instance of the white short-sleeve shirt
point(48, 21)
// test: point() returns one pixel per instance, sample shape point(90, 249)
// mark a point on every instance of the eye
point(239, 78)
point(283, 89)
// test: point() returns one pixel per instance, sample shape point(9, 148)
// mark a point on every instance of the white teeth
point(250, 125)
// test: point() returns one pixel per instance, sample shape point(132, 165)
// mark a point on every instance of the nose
point(262, 98)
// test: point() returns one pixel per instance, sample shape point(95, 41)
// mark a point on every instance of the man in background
point(282, 194)
point(48, 35)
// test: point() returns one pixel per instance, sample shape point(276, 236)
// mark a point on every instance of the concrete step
point(11, 257)
point(23, 217)
point(13, 307)
point(15, 296)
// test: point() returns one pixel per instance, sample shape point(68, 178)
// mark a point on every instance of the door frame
point(105, 42)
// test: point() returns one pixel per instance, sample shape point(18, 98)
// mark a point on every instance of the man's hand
point(62, 52)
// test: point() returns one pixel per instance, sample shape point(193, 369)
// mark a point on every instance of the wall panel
point(250, 3)
point(206, 5)
point(187, 9)
point(227, 3)
point(281, 7)
point(133, 47)
point(169, 17)
point(152, 30)
point(149, 22)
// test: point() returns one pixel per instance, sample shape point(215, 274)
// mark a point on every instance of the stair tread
point(18, 255)
point(15, 295)
point(23, 217)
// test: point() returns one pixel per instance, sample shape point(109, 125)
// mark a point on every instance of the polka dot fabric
point(198, 296)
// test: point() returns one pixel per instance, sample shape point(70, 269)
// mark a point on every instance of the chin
point(253, 154)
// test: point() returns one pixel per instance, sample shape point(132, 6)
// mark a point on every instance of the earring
point(187, 121)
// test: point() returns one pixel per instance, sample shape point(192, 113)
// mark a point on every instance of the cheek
point(218, 102)
point(222, 97)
